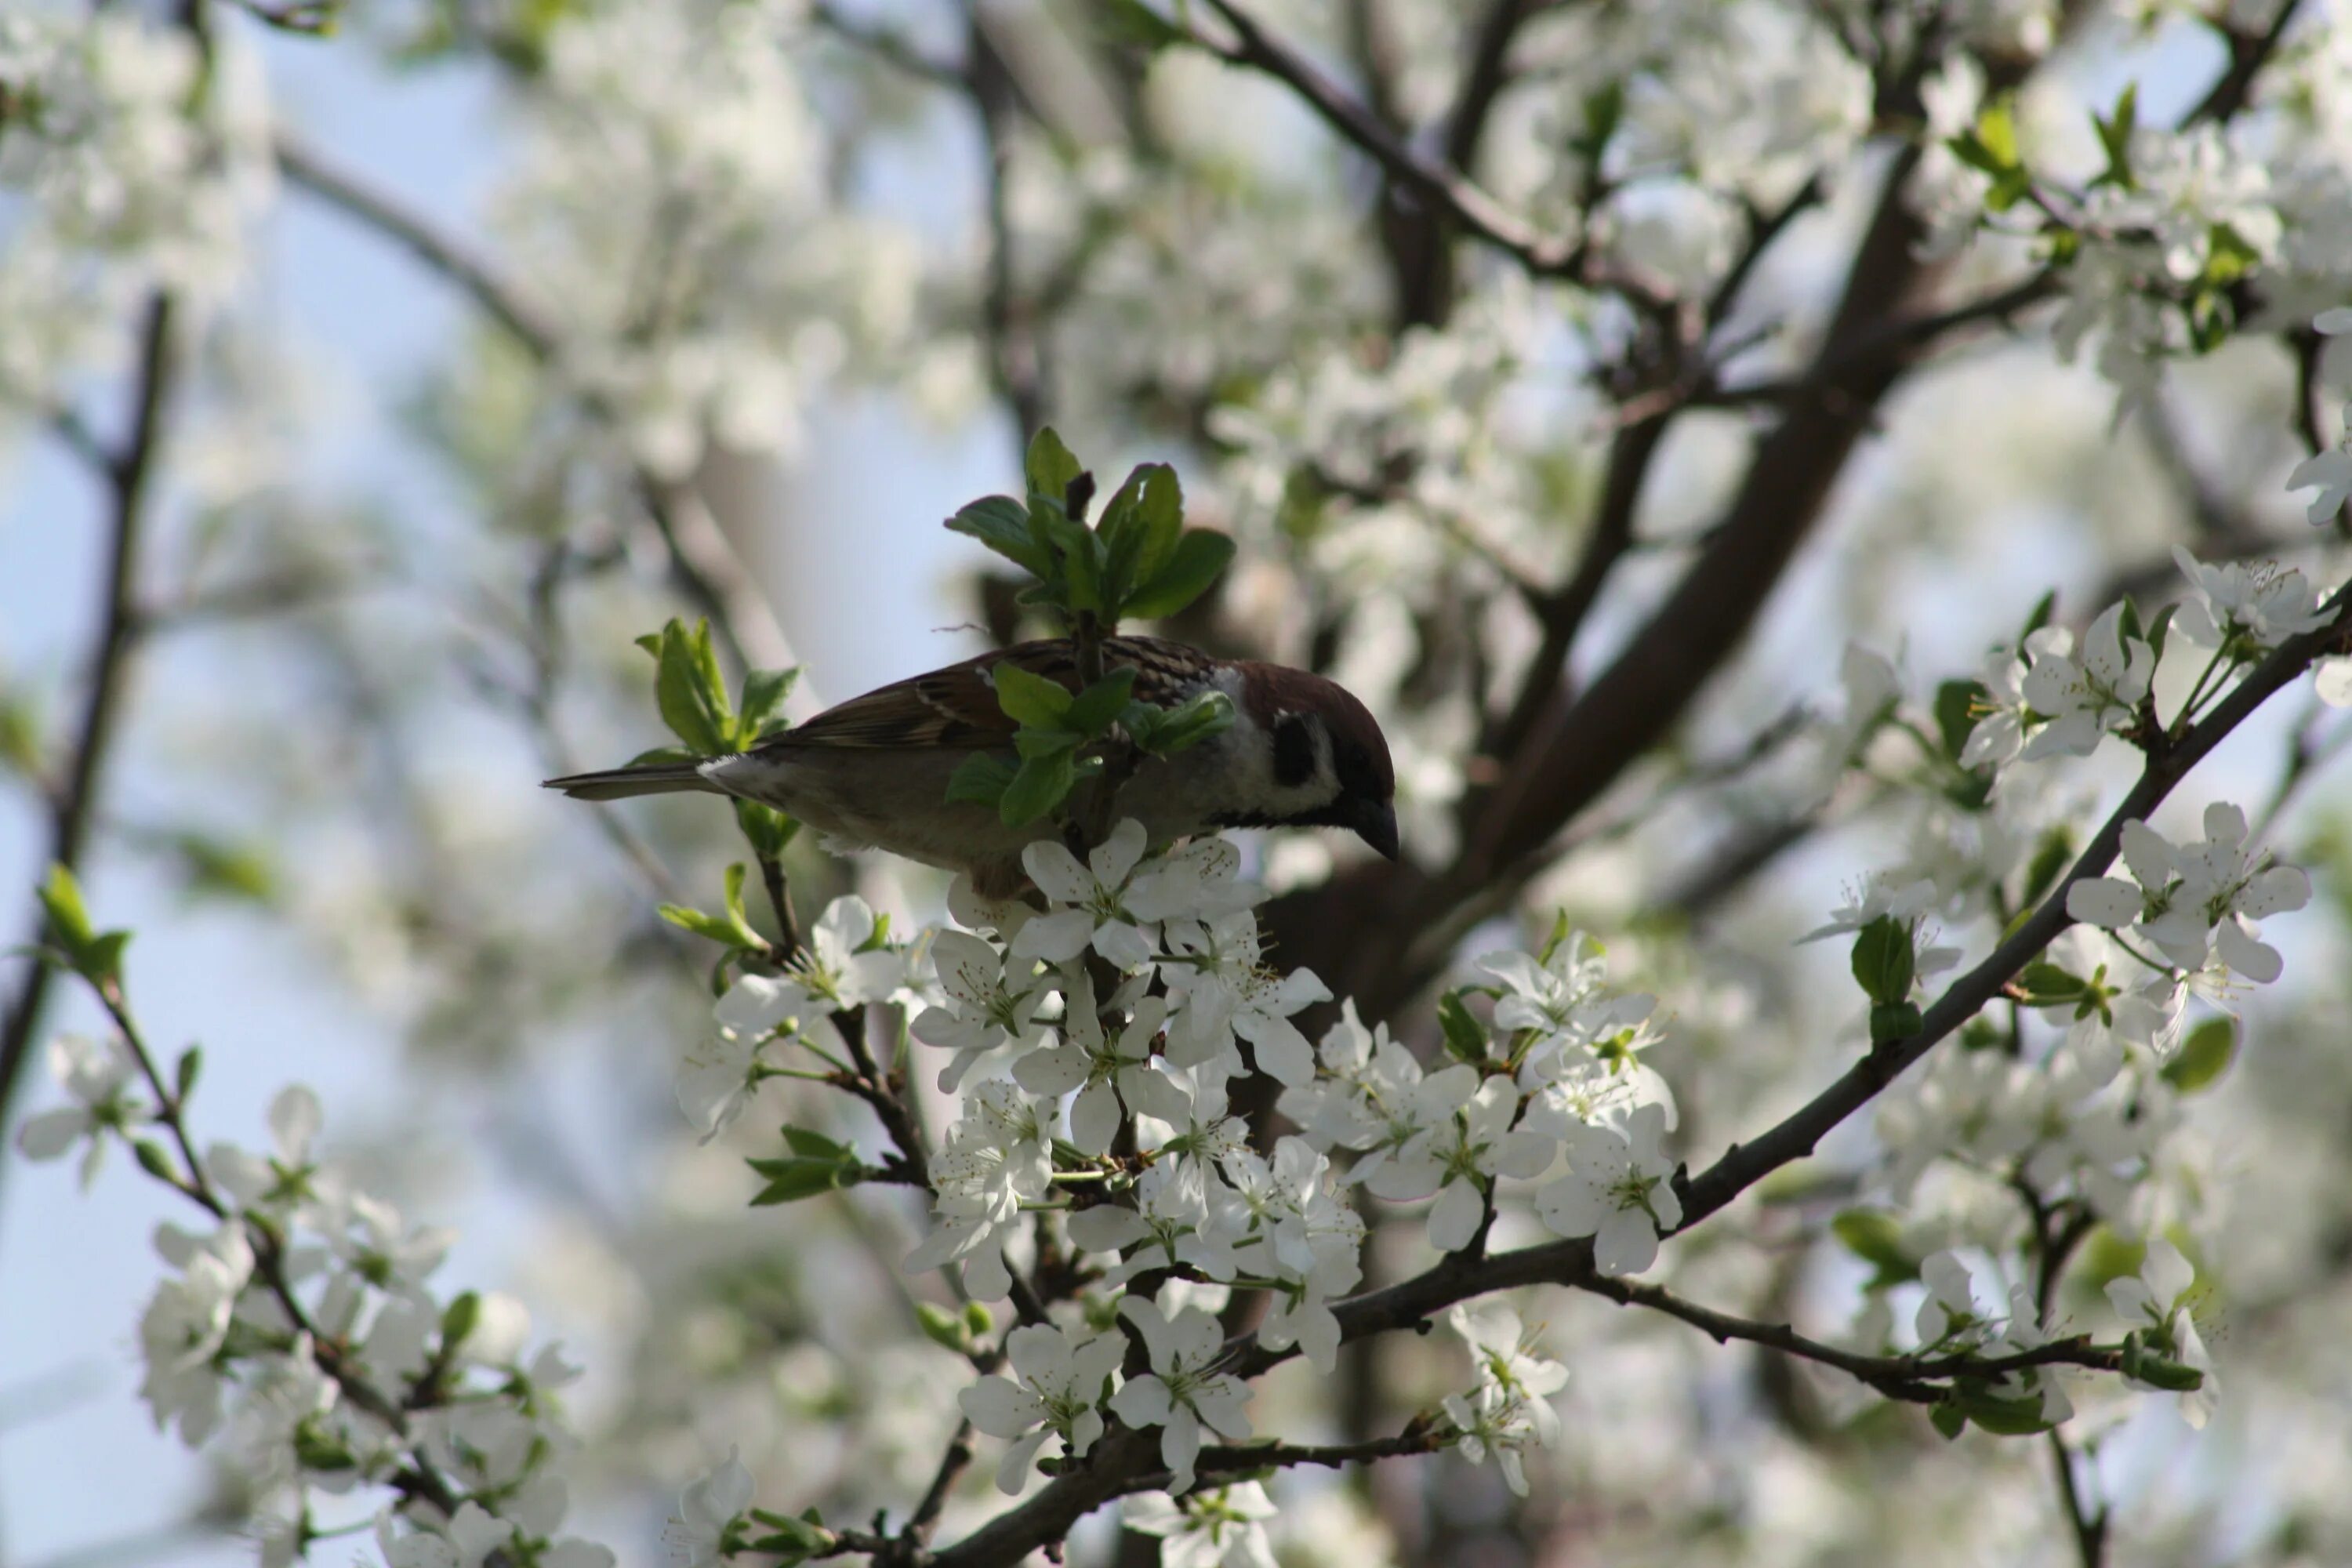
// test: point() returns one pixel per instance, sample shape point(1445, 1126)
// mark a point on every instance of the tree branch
point(73, 805)
point(1448, 189)
point(1909, 1378)
point(1412, 1303)
point(1795, 1137)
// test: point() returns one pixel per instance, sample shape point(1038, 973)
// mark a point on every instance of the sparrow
point(872, 772)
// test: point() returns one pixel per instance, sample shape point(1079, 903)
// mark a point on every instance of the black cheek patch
point(1294, 751)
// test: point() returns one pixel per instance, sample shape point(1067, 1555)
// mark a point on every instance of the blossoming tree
point(1655, 411)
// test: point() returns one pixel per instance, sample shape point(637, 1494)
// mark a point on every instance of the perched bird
point(1301, 751)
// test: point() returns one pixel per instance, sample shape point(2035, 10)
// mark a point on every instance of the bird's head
point(1328, 763)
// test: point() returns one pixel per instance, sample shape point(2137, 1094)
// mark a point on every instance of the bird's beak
point(1376, 825)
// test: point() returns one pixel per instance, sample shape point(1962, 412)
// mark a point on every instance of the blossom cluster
point(1096, 1043)
point(301, 1330)
point(131, 163)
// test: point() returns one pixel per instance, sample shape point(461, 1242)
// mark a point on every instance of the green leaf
point(1082, 574)
point(217, 868)
point(61, 901)
point(762, 709)
point(1050, 465)
point(981, 778)
point(765, 828)
point(1097, 708)
point(2051, 859)
point(1883, 960)
point(795, 1539)
point(790, 1181)
point(1947, 1419)
point(977, 1318)
point(458, 1319)
point(2165, 1373)
point(1996, 132)
point(689, 692)
point(2203, 1057)
point(1037, 789)
point(733, 931)
point(97, 956)
point(1140, 528)
point(1998, 1414)
point(2157, 633)
point(1045, 742)
point(1876, 1237)
point(1958, 705)
point(1604, 110)
point(1027, 698)
point(2048, 985)
point(1001, 523)
point(816, 1145)
point(1132, 23)
point(943, 1328)
point(2115, 139)
point(191, 1067)
point(1466, 1037)
point(153, 1160)
point(1164, 731)
point(1199, 556)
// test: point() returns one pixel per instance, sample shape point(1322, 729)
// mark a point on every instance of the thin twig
point(73, 805)
point(1449, 189)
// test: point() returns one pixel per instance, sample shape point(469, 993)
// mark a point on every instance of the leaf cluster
point(1138, 561)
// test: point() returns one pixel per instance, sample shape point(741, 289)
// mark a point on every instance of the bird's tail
point(646, 778)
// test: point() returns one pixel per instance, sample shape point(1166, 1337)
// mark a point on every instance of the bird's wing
point(955, 707)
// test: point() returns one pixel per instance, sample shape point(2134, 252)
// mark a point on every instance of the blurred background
point(502, 331)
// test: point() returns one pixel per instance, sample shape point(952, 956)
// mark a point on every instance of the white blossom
point(1617, 1191)
point(2157, 1301)
point(849, 961)
point(1511, 1405)
point(997, 1157)
point(99, 1076)
point(1107, 1073)
point(2330, 472)
point(706, 1508)
point(186, 1326)
point(1948, 1315)
point(284, 1177)
point(1061, 1375)
point(1223, 988)
point(1459, 1157)
point(1089, 901)
point(2197, 900)
point(993, 1002)
point(1182, 1394)
point(2084, 699)
point(1219, 1529)
point(2258, 607)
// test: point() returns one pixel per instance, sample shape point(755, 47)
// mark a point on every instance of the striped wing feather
point(955, 707)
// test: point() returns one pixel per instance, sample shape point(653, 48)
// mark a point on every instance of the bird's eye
point(1294, 750)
